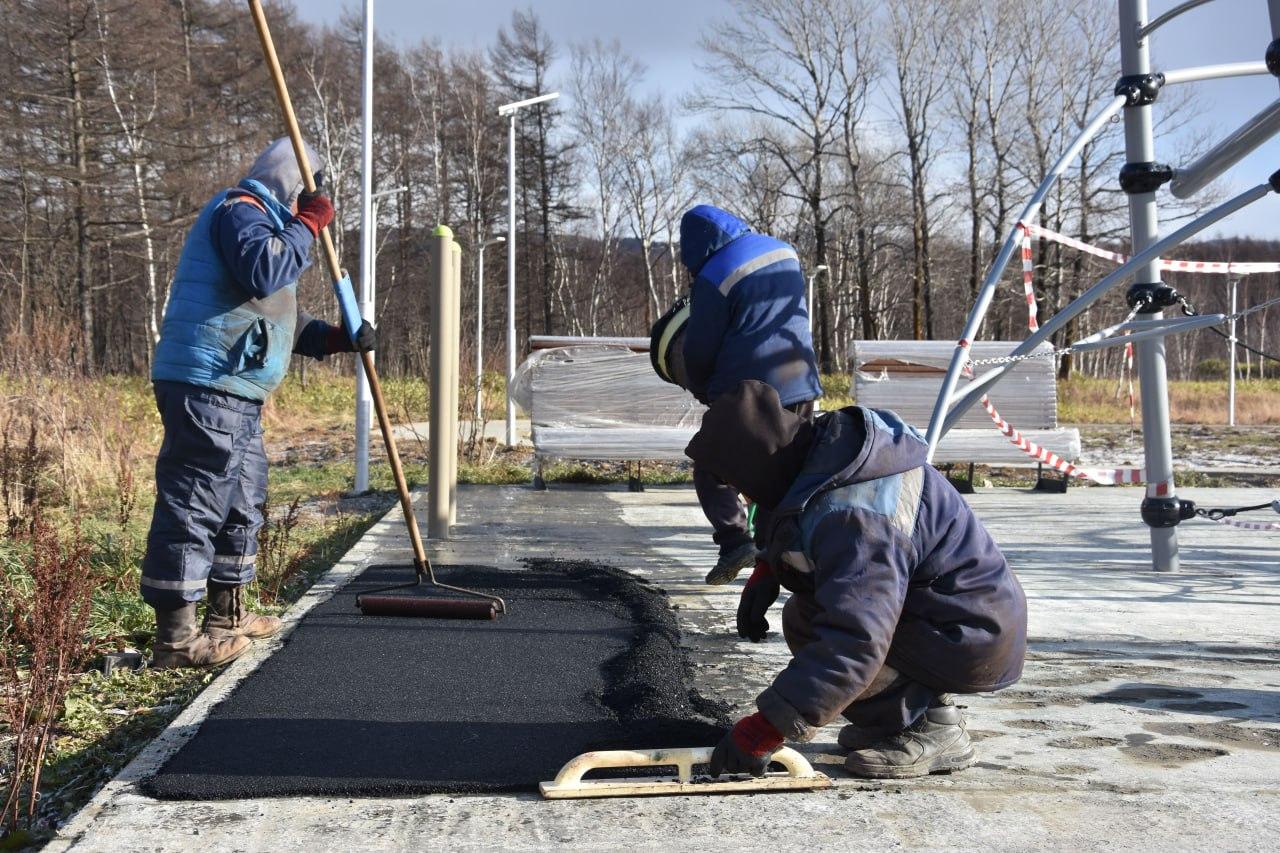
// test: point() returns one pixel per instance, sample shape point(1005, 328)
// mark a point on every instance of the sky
point(663, 34)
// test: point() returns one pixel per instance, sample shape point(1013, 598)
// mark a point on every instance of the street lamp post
point(480, 323)
point(368, 299)
point(510, 110)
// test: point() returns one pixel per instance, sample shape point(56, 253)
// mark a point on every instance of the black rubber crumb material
point(587, 658)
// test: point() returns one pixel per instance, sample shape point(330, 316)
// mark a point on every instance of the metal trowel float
point(798, 775)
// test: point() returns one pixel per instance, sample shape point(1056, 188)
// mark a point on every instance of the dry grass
point(1083, 400)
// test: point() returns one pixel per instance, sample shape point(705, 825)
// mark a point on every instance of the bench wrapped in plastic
point(905, 376)
point(603, 402)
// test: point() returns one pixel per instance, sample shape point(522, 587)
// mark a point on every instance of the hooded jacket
point(232, 317)
point(748, 317)
point(902, 569)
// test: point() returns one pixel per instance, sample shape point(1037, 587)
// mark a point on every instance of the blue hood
point(854, 445)
point(705, 230)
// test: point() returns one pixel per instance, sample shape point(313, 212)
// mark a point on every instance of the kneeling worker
point(899, 595)
point(231, 322)
point(747, 319)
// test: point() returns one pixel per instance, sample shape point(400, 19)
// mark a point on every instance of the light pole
point(364, 400)
point(510, 110)
point(820, 268)
point(480, 323)
point(368, 300)
point(1231, 356)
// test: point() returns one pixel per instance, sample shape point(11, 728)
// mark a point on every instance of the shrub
point(46, 586)
point(1211, 368)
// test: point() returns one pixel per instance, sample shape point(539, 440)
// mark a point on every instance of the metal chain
point(1051, 353)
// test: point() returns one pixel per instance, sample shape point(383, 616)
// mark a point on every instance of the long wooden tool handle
point(335, 271)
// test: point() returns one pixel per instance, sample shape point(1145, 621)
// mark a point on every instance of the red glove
point(747, 747)
point(315, 211)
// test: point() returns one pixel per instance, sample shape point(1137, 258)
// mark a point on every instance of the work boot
point(180, 644)
point(730, 563)
point(935, 743)
point(856, 737)
point(226, 616)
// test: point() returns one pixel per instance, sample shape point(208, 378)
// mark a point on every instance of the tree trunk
point(81, 166)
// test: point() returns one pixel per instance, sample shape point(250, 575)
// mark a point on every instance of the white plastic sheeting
point(603, 402)
point(905, 376)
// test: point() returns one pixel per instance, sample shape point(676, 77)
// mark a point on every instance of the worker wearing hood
point(231, 323)
point(899, 596)
point(747, 320)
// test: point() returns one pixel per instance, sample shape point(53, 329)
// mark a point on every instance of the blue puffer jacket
point(903, 570)
point(748, 318)
point(232, 318)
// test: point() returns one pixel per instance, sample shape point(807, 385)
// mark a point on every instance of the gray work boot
point(180, 644)
point(730, 563)
point(935, 743)
point(856, 737)
point(225, 615)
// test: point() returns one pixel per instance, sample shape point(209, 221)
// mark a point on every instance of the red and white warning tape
point(1215, 267)
point(1028, 285)
point(1105, 476)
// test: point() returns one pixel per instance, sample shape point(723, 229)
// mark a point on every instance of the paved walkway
point(1148, 718)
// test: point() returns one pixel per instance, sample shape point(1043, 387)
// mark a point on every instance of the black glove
point(746, 748)
point(366, 337)
point(758, 596)
point(337, 341)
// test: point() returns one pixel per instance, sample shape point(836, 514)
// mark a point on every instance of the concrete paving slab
point(1148, 717)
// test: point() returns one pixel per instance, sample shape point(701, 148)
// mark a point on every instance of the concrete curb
point(184, 726)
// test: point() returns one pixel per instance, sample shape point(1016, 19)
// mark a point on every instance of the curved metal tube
point(1187, 324)
point(975, 390)
point(1161, 20)
point(979, 311)
point(1214, 72)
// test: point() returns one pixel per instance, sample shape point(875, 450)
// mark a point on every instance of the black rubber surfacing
point(587, 658)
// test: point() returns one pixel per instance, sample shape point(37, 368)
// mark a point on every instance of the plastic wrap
point(905, 376)
point(603, 402)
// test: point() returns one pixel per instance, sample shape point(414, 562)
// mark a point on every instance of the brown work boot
point(180, 644)
point(936, 743)
point(226, 616)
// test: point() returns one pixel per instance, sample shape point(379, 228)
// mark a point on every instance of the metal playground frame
point(1147, 296)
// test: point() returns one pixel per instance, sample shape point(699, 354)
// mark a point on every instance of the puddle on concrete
point(1205, 706)
point(1046, 725)
point(1171, 754)
point(1245, 737)
point(1085, 742)
point(1141, 693)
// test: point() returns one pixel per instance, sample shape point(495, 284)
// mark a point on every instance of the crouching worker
point(747, 319)
point(231, 322)
point(899, 595)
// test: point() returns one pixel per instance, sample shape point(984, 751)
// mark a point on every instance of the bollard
point(455, 337)
point(443, 441)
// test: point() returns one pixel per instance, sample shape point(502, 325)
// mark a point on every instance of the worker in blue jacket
point(747, 320)
point(231, 323)
point(899, 596)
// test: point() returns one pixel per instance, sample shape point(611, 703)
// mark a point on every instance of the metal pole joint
point(1148, 297)
point(1139, 90)
point(1167, 512)
point(1272, 58)
point(1146, 177)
